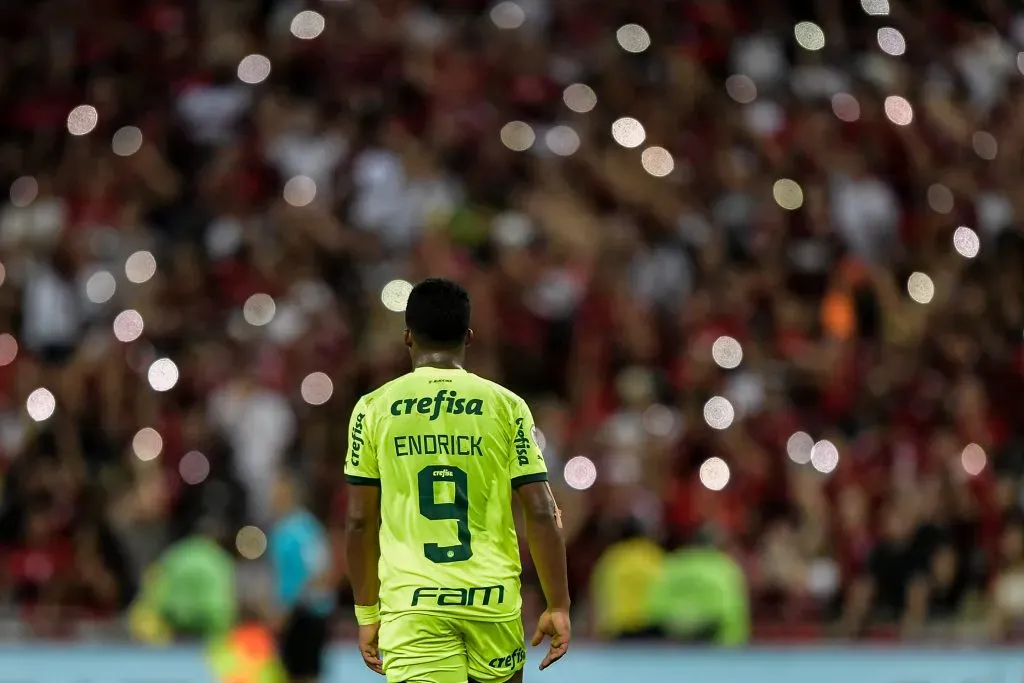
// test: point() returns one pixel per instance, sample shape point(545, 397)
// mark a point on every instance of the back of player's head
point(437, 313)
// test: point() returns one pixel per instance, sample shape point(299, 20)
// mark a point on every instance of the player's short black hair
point(437, 313)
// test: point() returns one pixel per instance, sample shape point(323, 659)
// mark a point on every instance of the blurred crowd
point(758, 268)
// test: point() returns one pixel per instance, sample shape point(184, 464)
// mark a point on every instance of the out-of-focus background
point(758, 268)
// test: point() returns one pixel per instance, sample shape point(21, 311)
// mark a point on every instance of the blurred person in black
point(218, 493)
point(900, 557)
point(940, 593)
point(300, 556)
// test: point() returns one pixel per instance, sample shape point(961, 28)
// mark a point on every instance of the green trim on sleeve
point(529, 479)
point(362, 481)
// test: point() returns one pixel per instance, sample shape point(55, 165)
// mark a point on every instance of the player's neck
point(442, 360)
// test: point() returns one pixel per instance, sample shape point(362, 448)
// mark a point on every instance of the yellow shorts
point(431, 648)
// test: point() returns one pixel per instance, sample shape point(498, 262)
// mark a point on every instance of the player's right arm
point(528, 473)
point(362, 531)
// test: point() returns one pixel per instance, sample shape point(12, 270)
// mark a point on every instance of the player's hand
point(553, 624)
point(368, 647)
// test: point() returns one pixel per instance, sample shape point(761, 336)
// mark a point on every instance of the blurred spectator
point(701, 596)
point(189, 591)
point(52, 312)
point(1008, 584)
point(259, 424)
point(621, 586)
point(303, 579)
point(940, 595)
point(900, 556)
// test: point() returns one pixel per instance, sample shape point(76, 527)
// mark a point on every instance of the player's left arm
point(529, 478)
point(527, 464)
point(362, 522)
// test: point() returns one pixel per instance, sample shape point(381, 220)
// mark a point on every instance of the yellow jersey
point(447, 448)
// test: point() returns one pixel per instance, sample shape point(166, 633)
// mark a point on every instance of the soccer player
point(433, 459)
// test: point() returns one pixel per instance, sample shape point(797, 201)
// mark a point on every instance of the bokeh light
point(508, 15)
point(194, 468)
point(316, 389)
point(799, 447)
point(251, 542)
point(973, 459)
point(518, 136)
point(41, 404)
point(539, 438)
point(83, 119)
point(985, 145)
point(788, 194)
point(898, 110)
point(128, 326)
point(580, 472)
point(809, 35)
point(633, 38)
point(147, 444)
point(657, 161)
point(891, 41)
point(253, 69)
point(727, 352)
point(920, 287)
point(8, 349)
point(162, 374)
point(140, 267)
point(875, 7)
point(126, 141)
point(966, 242)
point(845, 107)
point(824, 456)
point(741, 89)
point(24, 191)
point(714, 473)
point(299, 191)
point(940, 198)
point(512, 230)
point(580, 98)
point(628, 132)
point(395, 295)
point(562, 140)
point(719, 413)
point(3, 274)
point(100, 287)
point(307, 25)
point(661, 421)
point(259, 309)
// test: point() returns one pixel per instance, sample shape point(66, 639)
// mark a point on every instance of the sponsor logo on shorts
point(458, 597)
point(444, 401)
point(509, 661)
